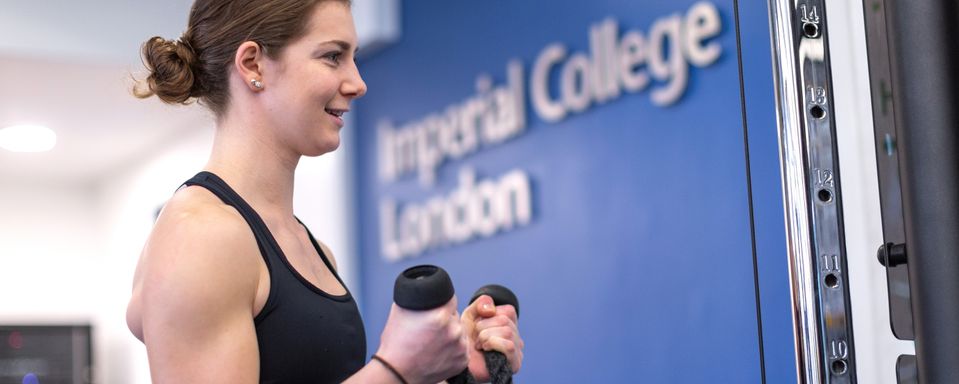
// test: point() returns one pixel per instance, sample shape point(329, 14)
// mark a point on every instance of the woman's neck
point(258, 168)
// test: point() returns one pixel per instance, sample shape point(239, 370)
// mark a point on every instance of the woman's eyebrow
point(342, 44)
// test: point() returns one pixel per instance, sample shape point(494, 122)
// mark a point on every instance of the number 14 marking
point(809, 15)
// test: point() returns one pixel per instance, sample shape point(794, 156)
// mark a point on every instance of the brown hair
point(197, 66)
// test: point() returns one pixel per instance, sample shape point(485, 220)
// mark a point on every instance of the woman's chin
point(326, 146)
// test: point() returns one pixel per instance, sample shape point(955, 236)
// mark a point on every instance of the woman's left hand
point(491, 328)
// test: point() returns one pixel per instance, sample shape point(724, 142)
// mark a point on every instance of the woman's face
point(310, 86)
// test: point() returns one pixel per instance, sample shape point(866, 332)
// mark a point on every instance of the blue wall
point(655, 251)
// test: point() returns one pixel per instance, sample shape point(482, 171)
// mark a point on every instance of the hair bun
point(171, 65)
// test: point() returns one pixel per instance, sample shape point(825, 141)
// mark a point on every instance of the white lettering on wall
point(616, 64)
point(490, 117)
point(473, 210)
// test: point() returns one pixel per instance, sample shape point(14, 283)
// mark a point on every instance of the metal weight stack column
point(811, 192)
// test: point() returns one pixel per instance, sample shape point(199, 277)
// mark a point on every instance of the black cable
point(499, 369)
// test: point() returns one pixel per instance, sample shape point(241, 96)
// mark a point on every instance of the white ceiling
point(68, 64)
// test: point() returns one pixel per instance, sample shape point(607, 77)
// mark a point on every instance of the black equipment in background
point(912, 58)
point(46, 354)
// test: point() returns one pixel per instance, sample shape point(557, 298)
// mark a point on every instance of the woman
point(231, 287)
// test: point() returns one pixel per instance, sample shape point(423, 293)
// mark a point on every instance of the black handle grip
point(425, 287)
point(500, 294)
point(499, 370)
point(422, 287)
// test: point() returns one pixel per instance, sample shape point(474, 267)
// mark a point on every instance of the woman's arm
point(423, 346)
point(196, 288)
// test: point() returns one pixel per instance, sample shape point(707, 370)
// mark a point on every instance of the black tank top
point(305, 335)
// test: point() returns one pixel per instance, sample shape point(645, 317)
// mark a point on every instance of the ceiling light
point(27, 138)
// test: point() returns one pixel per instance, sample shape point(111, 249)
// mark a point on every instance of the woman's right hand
point(425, 346)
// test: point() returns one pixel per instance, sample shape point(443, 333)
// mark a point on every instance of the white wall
point(48, 233)
point(50, 257)
point(68, 251)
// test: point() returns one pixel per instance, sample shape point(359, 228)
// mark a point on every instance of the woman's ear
point(249, 64)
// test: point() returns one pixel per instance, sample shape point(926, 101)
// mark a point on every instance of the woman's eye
point(334, 57)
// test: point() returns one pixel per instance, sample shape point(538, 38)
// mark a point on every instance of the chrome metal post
point(811, 193)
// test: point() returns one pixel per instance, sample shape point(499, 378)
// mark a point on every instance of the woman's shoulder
point(196, 285)
point(195, 218)
point(201, 260)
point(197, 232)
point(195, 203)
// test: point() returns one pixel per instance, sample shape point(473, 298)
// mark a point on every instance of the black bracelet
point(390, 368)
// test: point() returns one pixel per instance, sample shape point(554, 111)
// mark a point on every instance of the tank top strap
point(216, 185)
point(319, 250)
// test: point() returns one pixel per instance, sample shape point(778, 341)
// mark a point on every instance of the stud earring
point(256, 83)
